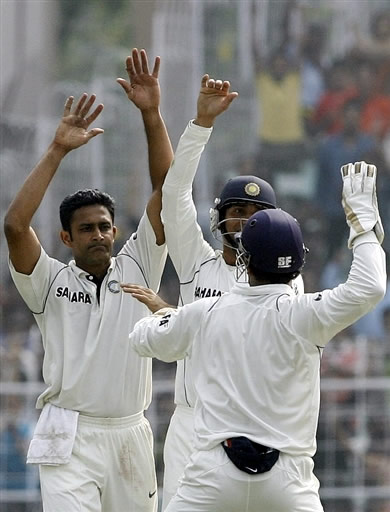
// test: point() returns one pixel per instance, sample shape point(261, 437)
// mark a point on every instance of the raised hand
point(143, 87)
point(72, 132)
point(214, 98)
point(359, 200)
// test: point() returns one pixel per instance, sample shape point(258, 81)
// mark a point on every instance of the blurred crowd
point(315, 114)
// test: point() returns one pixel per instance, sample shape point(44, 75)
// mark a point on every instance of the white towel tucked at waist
point(54, 436)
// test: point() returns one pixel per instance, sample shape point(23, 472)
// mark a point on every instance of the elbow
point(13, 227)
point(379, 292)
point(376, 292)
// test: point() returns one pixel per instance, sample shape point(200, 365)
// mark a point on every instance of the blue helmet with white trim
point(271, 241)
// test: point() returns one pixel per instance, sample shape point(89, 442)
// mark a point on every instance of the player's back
point(254, 377)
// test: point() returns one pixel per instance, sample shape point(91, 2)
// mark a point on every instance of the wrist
point(151, 114)
point(57, 150)
point(204, 121)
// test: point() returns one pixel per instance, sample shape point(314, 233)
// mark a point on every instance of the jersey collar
point(82, 273)
point(265, 289)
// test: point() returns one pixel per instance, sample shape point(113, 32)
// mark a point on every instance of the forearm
point(183, 235)
point(154, 336)
point(30, 196)
point(187, 156)
point(160, 151)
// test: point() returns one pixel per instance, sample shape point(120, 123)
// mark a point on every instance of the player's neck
point(98, 271)
point(229, 255)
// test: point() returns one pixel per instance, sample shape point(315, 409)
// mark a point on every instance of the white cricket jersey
point(88, 365)
point(256, 352)
point(201, 270)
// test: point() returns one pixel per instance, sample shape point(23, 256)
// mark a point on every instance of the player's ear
point(66, 238)
point(115, 231)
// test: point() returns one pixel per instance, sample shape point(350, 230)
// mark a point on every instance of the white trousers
point(111, 469)
point(211, 482)
point(178, 448)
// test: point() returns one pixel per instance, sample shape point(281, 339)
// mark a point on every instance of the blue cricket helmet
point(249, 189)
point(241, 189)
point(272, 242)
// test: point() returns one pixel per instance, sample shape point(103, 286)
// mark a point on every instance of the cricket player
point(202, 270)
point(92, 442)
point(256, 354)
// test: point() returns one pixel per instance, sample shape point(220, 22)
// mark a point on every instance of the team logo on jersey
point(73, 296)
point(252, 189)
point(113, 286)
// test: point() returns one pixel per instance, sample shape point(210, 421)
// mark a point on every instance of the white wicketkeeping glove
point(359, 200)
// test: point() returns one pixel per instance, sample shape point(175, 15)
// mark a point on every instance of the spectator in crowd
point(281, 130)
point(312, 70)
point(305, 42)
point(350, 145)
point(281, 127)
point(15, 433)
point(376, 44)
point(327, 117)
point(375, 113)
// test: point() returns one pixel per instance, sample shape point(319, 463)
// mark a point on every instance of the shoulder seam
point(138, 265)
point(48, 291)
point(197, 271)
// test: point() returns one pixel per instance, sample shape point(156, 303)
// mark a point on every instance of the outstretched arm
point(185, 241)
point(143, 90)
point(72, 132)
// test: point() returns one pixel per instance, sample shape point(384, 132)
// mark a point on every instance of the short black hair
point(86, 197)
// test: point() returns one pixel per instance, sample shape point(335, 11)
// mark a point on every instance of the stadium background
point(50, 50)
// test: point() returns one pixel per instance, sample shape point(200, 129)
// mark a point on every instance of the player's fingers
point(229, 98)
point(91, 118)
point(204, 80)
point(124, 84)
point(85, 109)
point(226, 86)
point(371, 171)
point(218, 84)
point(156, 67)
point(346, 172)
point(136, 61)
point(211, 83)
point(68, 105)
point(358, 172)
point(232, 96)
point(95, 131)
point(144, 62)
point(368, 175)
point(80, 104)
point(130, 66)
point(129, 287)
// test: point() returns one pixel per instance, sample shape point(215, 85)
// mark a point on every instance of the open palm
point(72, 132)
point(143, 87)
